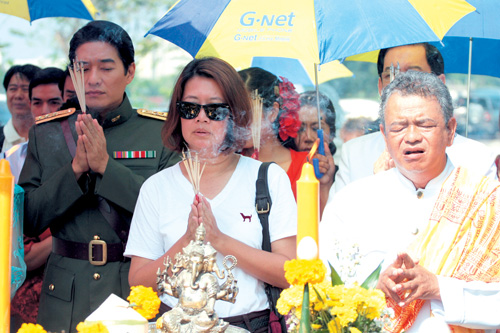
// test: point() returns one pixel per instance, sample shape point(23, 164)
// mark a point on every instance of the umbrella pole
point(317, 94)
point(321, 146)
point(468, 88)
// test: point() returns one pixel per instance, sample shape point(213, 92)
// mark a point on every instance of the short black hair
point(27, 71)
point(108, 32)
point(434, 58)
point(49, 75)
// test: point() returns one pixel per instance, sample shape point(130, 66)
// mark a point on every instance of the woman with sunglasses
point(209, 114)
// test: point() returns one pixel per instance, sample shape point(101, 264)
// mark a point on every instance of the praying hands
point(91, 153)
point(406, 281)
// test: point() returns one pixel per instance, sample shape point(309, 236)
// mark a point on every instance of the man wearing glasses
point(82, 177)
point(366, 155)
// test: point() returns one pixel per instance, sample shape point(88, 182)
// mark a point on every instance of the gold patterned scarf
point(461, 240)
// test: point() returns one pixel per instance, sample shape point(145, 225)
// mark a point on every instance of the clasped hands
point(91, 152)
point(405, 281)
point(201, 212)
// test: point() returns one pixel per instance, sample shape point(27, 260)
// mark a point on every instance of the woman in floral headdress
point(280, 125)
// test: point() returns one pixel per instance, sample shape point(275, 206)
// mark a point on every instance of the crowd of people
point(107, 197)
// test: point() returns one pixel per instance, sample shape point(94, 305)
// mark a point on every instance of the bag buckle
point(263, 210)
point(104, 251)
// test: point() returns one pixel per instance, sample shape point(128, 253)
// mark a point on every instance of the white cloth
point(12, 138)
point(162, 210)
point(381, 214)
point(16, 157)
point(358, 156)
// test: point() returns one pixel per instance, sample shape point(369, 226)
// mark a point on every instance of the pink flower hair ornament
point(289, 119)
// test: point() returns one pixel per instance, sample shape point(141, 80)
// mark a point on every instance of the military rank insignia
point(134, 154)
point(152, 114)
point(54, 115)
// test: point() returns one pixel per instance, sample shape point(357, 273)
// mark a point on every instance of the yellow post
point(307, 213)
point(6, 213)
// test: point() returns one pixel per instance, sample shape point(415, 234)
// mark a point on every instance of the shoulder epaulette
point(54, 115)
point(152, 114)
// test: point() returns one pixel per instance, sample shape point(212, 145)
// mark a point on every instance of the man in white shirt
point(359, 156)
point(16, 83)
point(45, 96)
point(422, 209)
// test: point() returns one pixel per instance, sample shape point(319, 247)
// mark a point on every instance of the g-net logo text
point(265, 27)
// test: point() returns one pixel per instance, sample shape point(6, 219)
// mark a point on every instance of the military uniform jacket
point(54, 199)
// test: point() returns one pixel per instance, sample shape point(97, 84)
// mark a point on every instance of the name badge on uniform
point(134, 154)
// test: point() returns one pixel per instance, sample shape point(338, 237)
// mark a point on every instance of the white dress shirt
point(12, 138)
point(383, 214)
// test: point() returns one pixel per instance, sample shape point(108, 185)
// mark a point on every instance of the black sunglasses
point(215, 111)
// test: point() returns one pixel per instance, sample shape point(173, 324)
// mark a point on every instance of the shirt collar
point(435, 183)
point(119, 115)
point(12, 138)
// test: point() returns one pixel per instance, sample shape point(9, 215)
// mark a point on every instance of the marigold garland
point(334, 308)
point(97, 327)
point(302, 271)
point(145, 301)
point(31, 328)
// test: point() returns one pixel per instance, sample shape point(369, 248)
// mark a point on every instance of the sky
point(20, 47)
point(36, 49)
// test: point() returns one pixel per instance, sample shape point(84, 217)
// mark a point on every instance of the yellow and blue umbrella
point(36, 9)
point(471, 46)
point(314, 31)
point(298, 73)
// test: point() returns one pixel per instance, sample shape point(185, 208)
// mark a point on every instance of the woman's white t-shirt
point(162, 210)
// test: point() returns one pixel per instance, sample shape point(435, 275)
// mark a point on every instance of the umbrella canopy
point(35, 9)
point(484, 55)
point(314, 31)
point(295, 71)
point(483, 26)
point(471, 46)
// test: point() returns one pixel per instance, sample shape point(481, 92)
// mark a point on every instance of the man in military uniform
point(82, 177)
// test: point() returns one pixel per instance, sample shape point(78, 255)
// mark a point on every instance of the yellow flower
point(374, 304)
point(145, 301)
point(98, 327)
point(31, 328)
point(301, 271)
point(334, 326)
point(336, 308)
point(290, 298)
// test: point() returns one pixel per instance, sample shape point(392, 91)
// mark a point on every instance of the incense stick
point(192, 165)
point(76, 74)
point(256, 121)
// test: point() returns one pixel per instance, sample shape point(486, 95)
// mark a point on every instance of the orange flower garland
point(145, 301)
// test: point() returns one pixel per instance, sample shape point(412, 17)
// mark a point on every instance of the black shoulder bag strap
point(263, 205)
